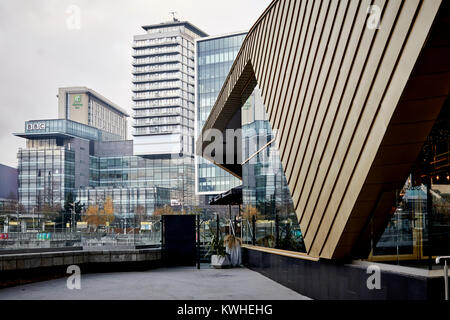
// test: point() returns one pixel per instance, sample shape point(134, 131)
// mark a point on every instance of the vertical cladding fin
point(263, 44)
point(302, 132)
point(284, 52)
point(285, 73)
point(326, 81)
point(286, 17)
point(371, 86)
point(414, 34)
point(269, 53)
point(348, 77)
point(294, 80)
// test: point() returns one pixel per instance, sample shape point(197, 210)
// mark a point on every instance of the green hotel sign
point(77, 101)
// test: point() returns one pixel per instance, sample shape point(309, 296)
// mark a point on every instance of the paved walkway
point(186, 283)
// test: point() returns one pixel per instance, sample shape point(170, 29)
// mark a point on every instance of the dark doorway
point(178, 240)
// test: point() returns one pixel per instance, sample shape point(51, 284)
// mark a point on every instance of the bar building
point(361, 120)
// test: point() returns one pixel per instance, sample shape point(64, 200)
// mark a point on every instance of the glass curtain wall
point(419, 229)
point(175, 174)
point(214, 58)
point(46, 174)
point(265, 194)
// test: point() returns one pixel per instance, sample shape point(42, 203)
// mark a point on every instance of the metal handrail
point(249, 228)
point(232, 228)
point(438, 261)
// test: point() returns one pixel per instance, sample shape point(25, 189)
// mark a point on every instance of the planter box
point(220, 262)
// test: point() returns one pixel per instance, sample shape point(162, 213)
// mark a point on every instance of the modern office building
point(127, 202)
point(163, 96)
point(86, 106)
point(64, 156)
point(214, 57)
point(77, 156)
point(360, 115)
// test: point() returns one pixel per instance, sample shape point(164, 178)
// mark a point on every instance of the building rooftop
point(174, 23)
point(96, 95)
point(223, 35)
point(51, 128)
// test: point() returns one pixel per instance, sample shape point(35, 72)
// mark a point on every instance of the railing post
point(162, 233)
point(198, 241)
point(438, 260)
point(277, 232)
point(254, 230)
point(217, 226)
point(446, 279)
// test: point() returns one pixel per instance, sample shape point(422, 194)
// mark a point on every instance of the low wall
point(325, 279)
point(20, 268)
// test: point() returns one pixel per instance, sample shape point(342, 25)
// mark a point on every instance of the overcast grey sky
point(39, 53)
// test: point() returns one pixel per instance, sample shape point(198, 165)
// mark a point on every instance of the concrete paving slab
point(185, 283)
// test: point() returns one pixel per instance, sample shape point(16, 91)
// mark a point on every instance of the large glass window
point(215, 58)
point(265, 192)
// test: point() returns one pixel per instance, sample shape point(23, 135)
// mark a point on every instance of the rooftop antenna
point(173, 13)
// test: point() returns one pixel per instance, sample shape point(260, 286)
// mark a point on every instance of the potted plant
point(219, 258)
point(233, 248)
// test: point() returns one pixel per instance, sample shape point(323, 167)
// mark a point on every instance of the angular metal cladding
point(340, 81)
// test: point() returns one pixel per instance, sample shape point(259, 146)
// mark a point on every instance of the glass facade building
point(46, 173)
point(127, 202)
point(55, 160)
point(174, 173)
point(68, 128)
point(215, 55)
point(64, 156)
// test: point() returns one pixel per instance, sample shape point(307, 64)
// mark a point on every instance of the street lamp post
point(17, 212)
point(33, 218)
point(72, 218)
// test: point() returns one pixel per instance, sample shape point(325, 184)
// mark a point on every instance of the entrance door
point(178, 241)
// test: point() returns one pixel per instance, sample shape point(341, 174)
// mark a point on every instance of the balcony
point(158, 77)
point(157, 86)
point(154, 42)
point(158, 103)
point(157, 60)
point(157, 68)
point(157, 122)
point(156, 131)
point(158, 112)
point(157, 51)
point(157, 95)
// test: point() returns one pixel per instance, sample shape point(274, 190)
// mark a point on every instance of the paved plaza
point(166, 283)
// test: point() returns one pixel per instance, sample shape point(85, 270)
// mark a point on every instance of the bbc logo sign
point(36, 126)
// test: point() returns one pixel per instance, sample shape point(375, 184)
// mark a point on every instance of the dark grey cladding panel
point(113, 148)
point(337, 280)
point(9, 178)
